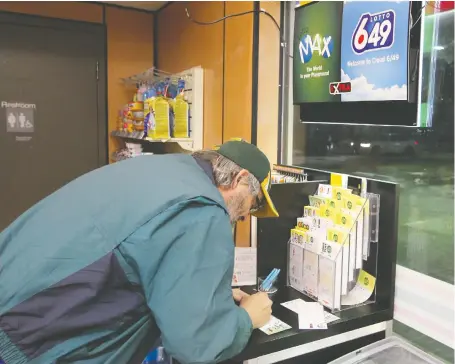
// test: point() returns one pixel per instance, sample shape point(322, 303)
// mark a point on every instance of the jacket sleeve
point(189, 292)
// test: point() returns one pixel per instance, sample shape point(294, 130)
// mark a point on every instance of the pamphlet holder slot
point(273, 233)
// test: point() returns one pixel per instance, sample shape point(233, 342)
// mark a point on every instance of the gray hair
point(225, 170)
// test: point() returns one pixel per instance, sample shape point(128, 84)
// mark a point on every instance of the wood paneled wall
point(129, 42)
point(71, 10)
point(182, 44)
point(268, 81)
point(225, 51)
point(129, 51)
point(238, 61)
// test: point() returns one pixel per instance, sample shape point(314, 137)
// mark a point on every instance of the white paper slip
point(362, 290)
point(299, 305)
point(340, 236)
point(310, 273)
point(294, 305)
point(311, 317)
point(296, 266)
point(274, 326)
point(330, 273)
point(313, 241)
point(245, 267)
point(328, 317)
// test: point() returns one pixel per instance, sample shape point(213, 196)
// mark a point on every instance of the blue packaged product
point(149, 119)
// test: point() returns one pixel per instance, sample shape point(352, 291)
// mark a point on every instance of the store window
point(421, 160)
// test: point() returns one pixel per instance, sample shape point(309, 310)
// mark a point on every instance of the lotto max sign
point(317, 45)
point(374, 32)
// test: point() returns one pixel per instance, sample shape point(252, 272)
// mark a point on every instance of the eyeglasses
point(259, 203)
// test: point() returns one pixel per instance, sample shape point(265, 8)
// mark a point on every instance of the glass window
point(421, 160)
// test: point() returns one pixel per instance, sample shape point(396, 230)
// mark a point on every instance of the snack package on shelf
point(158, 109)
point(149, 112)
point(181, 126)
point(136, 114)
point(162, 122)
point(132, 150)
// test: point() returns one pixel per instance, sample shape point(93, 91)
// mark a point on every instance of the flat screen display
point(351, 51)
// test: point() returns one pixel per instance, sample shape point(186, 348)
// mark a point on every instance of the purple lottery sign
point(374, 32)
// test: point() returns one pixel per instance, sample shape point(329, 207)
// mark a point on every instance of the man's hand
point(238, 294)
point(258, 307)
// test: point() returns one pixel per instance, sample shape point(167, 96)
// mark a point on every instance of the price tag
point(374, 31)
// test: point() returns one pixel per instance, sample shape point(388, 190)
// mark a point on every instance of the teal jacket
point(97, 271)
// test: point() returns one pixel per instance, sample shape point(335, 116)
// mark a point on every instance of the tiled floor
point(424, 342)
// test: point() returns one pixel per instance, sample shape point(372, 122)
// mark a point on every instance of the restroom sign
point(20, 117)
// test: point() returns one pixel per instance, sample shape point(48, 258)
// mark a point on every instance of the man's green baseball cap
point(251, 158)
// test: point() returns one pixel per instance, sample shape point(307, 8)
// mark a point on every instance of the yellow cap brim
point(269, 209)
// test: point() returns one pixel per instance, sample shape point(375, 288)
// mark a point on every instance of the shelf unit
point(184, 143)
point(194, 95)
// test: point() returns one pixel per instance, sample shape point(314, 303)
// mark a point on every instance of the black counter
point(354, 318)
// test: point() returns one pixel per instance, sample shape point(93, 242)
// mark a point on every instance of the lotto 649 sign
point(374, 32)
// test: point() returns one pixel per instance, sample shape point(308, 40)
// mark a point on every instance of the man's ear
point(240, 176)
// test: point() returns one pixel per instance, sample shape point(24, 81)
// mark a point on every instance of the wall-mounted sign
point(19, 117)
point(351, 51)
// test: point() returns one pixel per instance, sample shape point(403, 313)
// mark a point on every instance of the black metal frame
point(281, 80)
point(255, 73)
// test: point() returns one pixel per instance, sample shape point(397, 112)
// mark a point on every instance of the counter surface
point(355, 318)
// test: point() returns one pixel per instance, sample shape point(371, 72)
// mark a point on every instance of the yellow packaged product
point(162, 122)
point(181, 126)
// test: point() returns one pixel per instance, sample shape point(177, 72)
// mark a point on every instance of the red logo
point(336, 88)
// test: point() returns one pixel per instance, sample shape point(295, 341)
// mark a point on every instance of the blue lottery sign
point(374, 32)
point(374, 51)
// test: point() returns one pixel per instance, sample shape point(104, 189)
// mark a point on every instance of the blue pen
point(266, 279)
point(275, 278)
point(272, 280)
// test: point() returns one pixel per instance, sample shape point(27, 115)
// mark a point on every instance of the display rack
point(327, 248)
point(375, 270)
point(193, 94)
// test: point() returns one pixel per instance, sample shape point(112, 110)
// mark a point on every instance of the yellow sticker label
point(327, 212)
point(334, 204)
point(339, 193)
point(336, 235)
point(353, 202)
point(366, 280)
point(345, 220)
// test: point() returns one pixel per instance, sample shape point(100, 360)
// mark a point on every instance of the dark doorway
point(53, 125)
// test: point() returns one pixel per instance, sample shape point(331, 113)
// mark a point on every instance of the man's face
point(241, 202)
